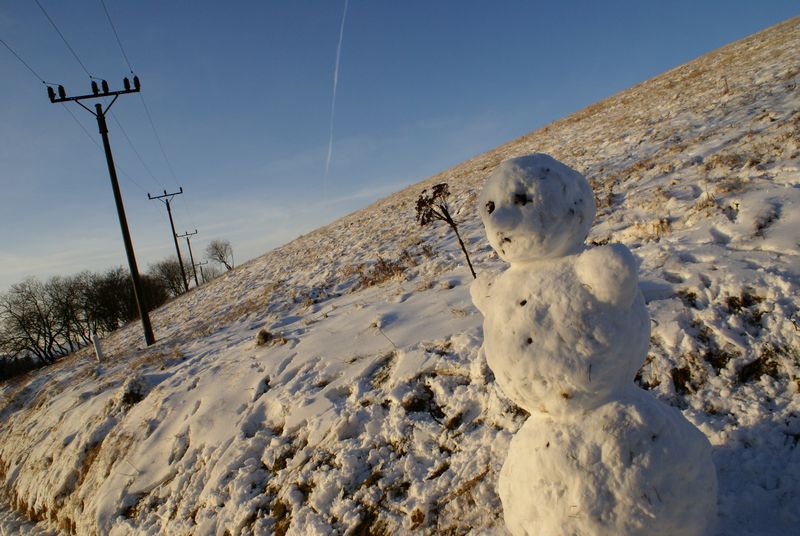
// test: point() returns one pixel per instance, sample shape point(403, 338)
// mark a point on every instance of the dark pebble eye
point(490, 207)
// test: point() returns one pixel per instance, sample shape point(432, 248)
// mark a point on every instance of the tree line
point(41, 321)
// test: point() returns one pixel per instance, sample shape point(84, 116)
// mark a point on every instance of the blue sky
point(240, 93)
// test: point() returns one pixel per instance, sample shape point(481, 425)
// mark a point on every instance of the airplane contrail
point(333, 98)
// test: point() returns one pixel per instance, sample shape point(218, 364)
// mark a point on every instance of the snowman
point(565, 330)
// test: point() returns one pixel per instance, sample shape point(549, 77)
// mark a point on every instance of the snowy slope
point(372, 410)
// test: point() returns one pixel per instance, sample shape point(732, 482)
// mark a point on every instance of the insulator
point(51, 93)
point(62, 92)
point(94, 88)
point(105, 86)
point(126, 83)
point(136, 83)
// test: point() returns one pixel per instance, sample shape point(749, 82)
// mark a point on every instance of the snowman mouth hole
point(522, 199)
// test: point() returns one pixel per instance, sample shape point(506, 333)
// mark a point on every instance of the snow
point(14, 524)
point(373, 406)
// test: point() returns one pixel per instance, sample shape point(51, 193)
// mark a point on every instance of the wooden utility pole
point(202, 273)
point(166, 199)
point(100, 115)
point(186, 235)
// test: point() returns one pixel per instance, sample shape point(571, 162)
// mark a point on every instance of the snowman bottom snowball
point(633, 466)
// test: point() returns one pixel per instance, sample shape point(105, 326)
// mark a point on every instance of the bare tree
point(104, 302)
point(220, 251)
point(211, 272)
point(168, 273)
point(101, 302)
point(433, 206)
point(62, 295)
point(29, 322)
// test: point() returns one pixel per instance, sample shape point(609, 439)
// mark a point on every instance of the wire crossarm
point(169, 195)
point(96, 91)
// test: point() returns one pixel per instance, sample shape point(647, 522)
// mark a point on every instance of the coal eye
point(490, 207)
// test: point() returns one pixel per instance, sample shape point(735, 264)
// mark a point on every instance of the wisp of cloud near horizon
point(333, 97)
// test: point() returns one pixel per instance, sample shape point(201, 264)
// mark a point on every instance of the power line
point(125, 134)
point(186, 206)
point(83, 128)
point(166, 158)
point(77, 121)
point(124, 174)
point(91, 138)
point(144, 103)
point(64, 39)
point(149, 118)
point(72, 115)
point(135, 151)
point(23, 62)
point(114, 29)
point(158, 139)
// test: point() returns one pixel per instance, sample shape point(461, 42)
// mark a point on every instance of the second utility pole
point(186, 235)
point(202, 274)
point(166, 198)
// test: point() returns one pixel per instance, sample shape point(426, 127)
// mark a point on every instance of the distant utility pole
point(202, 274)
point(100, 115)
point(166, 199)
point(186, 235)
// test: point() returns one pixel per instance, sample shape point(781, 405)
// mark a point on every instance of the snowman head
point(534, 207)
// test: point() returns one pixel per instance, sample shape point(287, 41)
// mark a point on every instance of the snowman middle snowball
point(573, 337)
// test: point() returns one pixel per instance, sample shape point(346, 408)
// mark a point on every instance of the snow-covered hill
point(370, 408)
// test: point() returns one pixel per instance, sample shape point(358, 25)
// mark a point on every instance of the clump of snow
point(565, 335)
